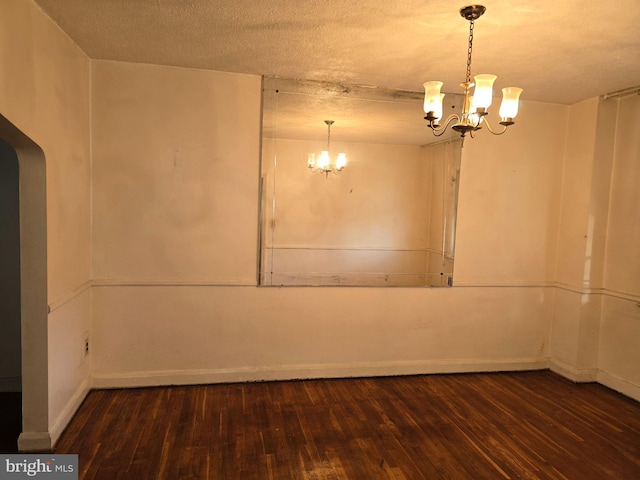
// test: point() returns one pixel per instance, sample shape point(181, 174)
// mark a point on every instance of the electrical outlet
point(85, 347)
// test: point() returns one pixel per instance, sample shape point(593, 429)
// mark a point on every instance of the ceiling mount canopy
point(472, 12)
point(475, 108)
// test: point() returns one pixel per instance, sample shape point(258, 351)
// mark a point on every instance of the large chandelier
point(476, 107)
point(324, 163)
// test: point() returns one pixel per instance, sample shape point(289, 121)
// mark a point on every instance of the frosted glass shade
point(483, 92)
point(311, 160)
point(341, 161)
point(510, 100)
point(433, 98)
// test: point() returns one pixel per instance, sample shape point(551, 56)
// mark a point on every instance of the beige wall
point(508, 206)
point(619, 355)
point(175, 174)
point(595, 329)
point(369, 225)
point(149, 335)
point(624, 215)
point(44, 92)
point(161, 314)
point(574, 308)
point(443, 160)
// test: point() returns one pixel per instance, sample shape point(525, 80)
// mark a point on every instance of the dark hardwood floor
point(532, 425)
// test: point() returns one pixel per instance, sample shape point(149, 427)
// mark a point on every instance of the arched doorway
point(33, 287)
point(10, 343)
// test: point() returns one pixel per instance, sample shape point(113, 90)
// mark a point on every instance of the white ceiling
point(559, 51)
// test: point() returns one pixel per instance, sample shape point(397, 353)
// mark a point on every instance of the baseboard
point(34, 442)
point(578, 375)
point(10, 384)
point(294, 372)
point(619, 384)
point(69, 410)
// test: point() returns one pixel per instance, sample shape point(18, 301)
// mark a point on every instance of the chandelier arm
point(439, 131)
point(485, 121)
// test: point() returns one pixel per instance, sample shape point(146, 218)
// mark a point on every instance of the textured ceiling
point(296, 109)
point(559, 51)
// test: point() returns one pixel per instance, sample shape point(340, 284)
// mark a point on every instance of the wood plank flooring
point(532, 425)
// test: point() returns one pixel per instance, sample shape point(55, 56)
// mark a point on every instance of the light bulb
point(473, 117)
point(341, 161)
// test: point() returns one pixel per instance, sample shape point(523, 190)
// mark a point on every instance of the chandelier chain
point(471, 23)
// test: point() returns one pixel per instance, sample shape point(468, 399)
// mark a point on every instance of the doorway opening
point(23, 287)
point(10, 343)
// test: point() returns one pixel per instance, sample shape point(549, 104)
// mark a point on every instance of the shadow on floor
point(10, 421)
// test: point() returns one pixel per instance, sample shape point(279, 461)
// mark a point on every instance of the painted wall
point(508, 205)
point(369, 225)
point(596, 328)
point(619, 355)
point(150, 334)
point(175, 175)
point(574, 307)
point(443, 160)
point(44, 92)
point(176, 186)
point(10, 352)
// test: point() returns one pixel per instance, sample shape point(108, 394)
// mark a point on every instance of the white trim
point(580, 290)
point(578, 375)
point(498, 284)
point(634, 297)
point(619, 385)
point(69, 411)
point(365, 248)
point(79, 290)
point(111, 282)
point(121, 282)
point(310, 371)
point(34, 442)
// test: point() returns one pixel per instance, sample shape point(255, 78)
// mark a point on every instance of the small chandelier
point(323, 163)
point(475, 107)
